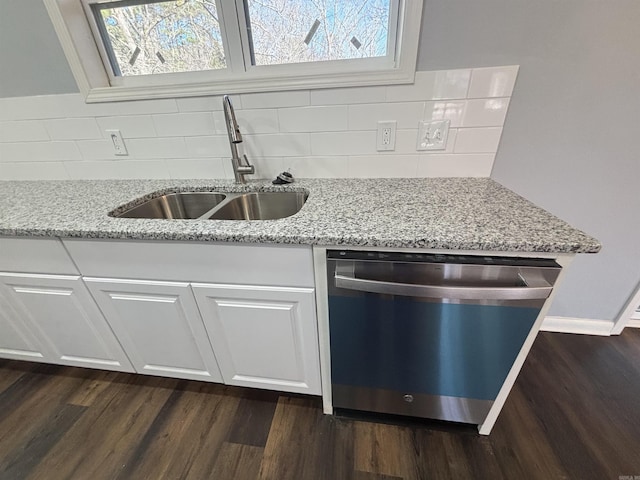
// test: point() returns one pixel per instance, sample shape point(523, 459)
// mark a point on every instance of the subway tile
point(449, 147)
point(33, 171)
point(455, 165)
point(40, 151)
point(99, 149)
point(23, 131)
point(72, 129)
point(265, 167)
point(313, 119)
point(205, 104)
point(141, 169)
point(299, 98)
point(157, 148)
point(343, 143)
point(130, 126)
point(277, 145)
point(184, 124)
point(435, 85)
point(493, 82)
point(185, 168)
point(445, 110)
point(348, 96)
point(485, 112)
point(382, 166)
point(317, 167)
point(366, 117)
point(210, 146)
point(262, 120)
point(73, 105)
point(478, 140)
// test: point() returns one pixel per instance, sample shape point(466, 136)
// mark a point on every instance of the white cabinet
point(158, 325)
point(16, 340)
point(263, 336)
point(53, 318)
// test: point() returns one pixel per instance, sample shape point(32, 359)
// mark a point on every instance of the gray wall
point(567, 143)
point(570, 139)
point(31, 59)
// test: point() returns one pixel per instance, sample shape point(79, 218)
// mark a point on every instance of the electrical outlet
point(119, 148)
point(386, 137)
point(433, 135)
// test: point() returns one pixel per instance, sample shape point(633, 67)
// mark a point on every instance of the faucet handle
point(247, 168)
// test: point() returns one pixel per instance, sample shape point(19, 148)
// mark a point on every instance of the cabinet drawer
point(35, 255)
point(194, 261)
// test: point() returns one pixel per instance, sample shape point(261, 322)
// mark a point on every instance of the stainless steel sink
point(219, 206)
point(260, 206)
point(182, 205)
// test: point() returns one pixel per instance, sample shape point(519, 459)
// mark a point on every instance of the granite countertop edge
point(430, 213)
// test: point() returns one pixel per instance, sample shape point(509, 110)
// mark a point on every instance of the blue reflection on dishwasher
point(406, 345)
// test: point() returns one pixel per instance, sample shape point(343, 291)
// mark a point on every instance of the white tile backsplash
point(313, 119)
point(114, 169)
point(445, 110)
point(438, 85)
point(184, 168)
point(348, 96)
point(23, 131)
point(278, 145)
point(72, 129)
point(33, 171)
point(39, 152)
point(211, 146)
point(299, 98)
point(130, 126)
point(448, 165)
point(485, 112)
point(317, 167)
point(343, 143)
point(366, 117)
point(154, 148)
point(184, 124)
point(477, 140)
point(397, 166)
point(263, 120)
point(492, 82)
point(319, 133)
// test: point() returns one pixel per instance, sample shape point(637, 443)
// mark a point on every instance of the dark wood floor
point(573, 414)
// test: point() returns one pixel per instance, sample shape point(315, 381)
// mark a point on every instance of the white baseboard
point(586, 326)
point(634, 323)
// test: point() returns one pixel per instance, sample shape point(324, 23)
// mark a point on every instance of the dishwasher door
point(429, 336)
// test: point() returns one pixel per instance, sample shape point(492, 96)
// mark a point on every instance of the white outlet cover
point(433, 135)
point(386, 136)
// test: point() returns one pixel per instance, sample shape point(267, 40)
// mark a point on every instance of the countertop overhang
point(433, 213)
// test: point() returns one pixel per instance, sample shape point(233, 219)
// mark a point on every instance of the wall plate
point(433, 135)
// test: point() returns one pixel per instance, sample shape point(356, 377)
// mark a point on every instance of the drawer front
point(35, 255)
point(195, 261)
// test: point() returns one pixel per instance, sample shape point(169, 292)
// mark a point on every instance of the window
point(134, 49)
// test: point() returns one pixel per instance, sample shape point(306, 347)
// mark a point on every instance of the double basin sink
point(219, 206)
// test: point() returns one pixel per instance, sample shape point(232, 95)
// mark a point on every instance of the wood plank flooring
point(573, 414)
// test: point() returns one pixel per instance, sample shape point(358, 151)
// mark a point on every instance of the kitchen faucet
point(241, 166)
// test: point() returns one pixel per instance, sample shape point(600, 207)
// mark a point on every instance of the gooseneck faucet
point(241, 166)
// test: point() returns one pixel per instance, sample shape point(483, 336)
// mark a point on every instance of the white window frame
point(97, 83)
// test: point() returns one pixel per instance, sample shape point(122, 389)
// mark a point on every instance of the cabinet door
point(159, 326)
point(264, 337)
point(64, 320)
point(16, 338)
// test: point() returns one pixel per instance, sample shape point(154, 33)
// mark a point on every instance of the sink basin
point(260, 206)
point(219, 206)
point(181, 205)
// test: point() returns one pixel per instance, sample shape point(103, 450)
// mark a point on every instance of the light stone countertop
point(439, 213)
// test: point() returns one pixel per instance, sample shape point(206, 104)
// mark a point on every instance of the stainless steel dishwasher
point(429, 336)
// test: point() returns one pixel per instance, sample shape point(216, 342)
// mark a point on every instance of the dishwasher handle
point(345, 278)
